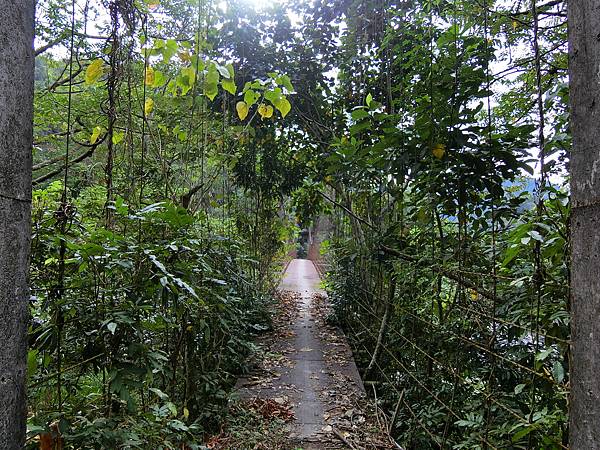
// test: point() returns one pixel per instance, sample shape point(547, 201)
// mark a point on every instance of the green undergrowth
point(141, 344)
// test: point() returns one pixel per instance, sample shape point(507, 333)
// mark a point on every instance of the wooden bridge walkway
point(309, 366)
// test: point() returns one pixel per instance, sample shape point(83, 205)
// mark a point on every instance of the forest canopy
point(181, 145)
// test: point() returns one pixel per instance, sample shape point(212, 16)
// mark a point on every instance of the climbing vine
point(181, 145)
point(153, 259)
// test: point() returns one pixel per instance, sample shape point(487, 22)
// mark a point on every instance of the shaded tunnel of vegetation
point(180, 147)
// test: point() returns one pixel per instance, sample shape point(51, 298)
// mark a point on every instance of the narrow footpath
point(307, 366)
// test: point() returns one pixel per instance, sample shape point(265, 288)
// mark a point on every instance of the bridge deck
point(314, 370)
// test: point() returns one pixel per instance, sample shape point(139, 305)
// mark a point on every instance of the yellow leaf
point(438, 150)
point(148, 106)
point(242, 110)
point(95, 135)
point(152, 4)
point(473, 294)
point(186, 413)
point(185, 56)
point(118, 137)
point(150, 76)
point(265, 111)
point(262, 110)
point(94, 71)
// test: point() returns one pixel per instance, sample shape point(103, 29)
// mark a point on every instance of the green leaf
point(190, 73)
point(197, 63)
point(229, 86)
point(178, 425)
point(212, 74)
point(32, 363)
point(183, 83)
point(521, 434)
point(558, 372)
point(172, 45)
point(359, 127)
point(160, 393)
point(284, 106)
point(169, 50)
point(211, 88)
point(182, 135)
point(182, 284)
point(273, 96)
point(230, 70)
point(369, 99)
point(285, 81)
point(535, 235)
point(250, 97)
point(359, 114)
point(172, 408)
point(159, 78)
point(541, 356)
point(33, 430)
point(512, 252)
point(223, 71)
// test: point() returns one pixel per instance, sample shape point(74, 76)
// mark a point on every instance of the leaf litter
point(351, 419)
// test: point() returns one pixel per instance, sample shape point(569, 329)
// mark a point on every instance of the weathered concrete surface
point(317, 366)
point(16, 124)
point(302, 277)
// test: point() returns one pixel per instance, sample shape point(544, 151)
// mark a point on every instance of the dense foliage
point(448, 261)
point(157, 223)
point(175, 139)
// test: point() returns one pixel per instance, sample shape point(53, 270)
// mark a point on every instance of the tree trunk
point(16, 138)
point(584, 58)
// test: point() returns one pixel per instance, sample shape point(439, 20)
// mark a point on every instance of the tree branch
point(49, 45)
point(80, 158)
